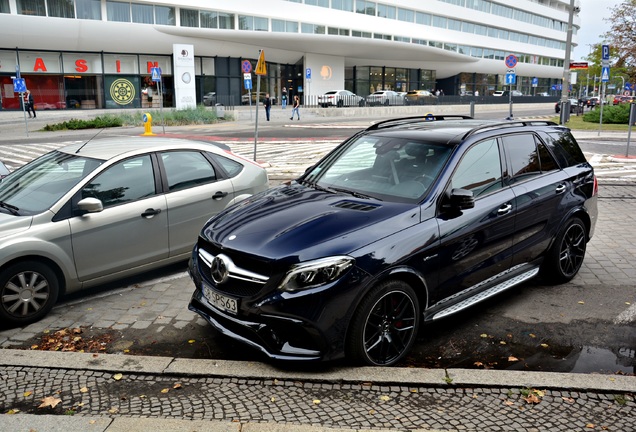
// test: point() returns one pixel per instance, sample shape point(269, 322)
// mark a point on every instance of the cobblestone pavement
point(329, 404)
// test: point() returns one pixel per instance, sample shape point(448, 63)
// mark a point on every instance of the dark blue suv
point(408, 221)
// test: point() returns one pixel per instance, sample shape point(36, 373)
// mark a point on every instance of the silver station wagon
point(91, 213)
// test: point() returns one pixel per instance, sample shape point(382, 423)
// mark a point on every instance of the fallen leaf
point(483, 335)
point(372, 412)
point(113, 410)
point(49, 401)
point(512, 359)
point(385, 398)
point(143, 396)
point(316, 401)
point(502, 342)
point(177, 386)
point(27, 393)
point(532, 335)
point(92, 421)
point(581, 302)
point(545, 345)
point(273, 399)
point(478, 364)
point(568, 400)
point(117, 377)
point(34, 347)
point(509, 403)
point(627, 303)
point(191, 341)
point(413, 390)
point(84, 390)
point(13, 411)
point(165, 390)
point(590, 425)
point(532, 398)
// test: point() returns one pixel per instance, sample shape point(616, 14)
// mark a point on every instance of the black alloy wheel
point(385, 325)
point(565, 258)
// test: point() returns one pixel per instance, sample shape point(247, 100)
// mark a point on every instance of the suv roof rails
point(416, 119)
point(514, 123)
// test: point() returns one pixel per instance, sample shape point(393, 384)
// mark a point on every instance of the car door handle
point(504, 209)
point(150, 213)
point(219, 195)
point(560, 188)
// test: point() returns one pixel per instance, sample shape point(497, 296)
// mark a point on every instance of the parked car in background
point(245, 98)
point(574, 106)
point(93, 212)
point(340, 98)
point(406, 222)
point(385, 97)
point(209, 99)
point(420, 97)
point(507, 93)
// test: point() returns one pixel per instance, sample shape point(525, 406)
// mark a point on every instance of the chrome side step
point(483, 295)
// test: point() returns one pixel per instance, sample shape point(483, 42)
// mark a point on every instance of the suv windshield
point(36, 186)
point(389, 169)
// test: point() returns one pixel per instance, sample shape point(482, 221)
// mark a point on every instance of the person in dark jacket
point(267, 102)
point(29, 104)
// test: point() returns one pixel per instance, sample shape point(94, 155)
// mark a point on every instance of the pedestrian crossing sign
point(261, 68)
point(605, 74)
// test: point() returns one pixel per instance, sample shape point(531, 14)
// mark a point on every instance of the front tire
point(28, 291)
point(385, 325)
point(565, 257)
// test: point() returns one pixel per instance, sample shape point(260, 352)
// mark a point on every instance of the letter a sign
point(261, 68)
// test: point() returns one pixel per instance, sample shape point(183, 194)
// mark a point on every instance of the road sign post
point(261, 69)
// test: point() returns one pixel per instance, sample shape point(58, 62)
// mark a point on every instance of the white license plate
point(220, 301)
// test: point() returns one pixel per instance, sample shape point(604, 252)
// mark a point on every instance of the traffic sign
point(247, 81)
point(605, 52)
point(308, 73)
point(535, 82)
point(19, 85)
point(511, 61)
point(578, 65)
point(261, 67)
point(629, 86)
point(246, 66)
point(511, 78)
point(156, 74)
point(605, 74)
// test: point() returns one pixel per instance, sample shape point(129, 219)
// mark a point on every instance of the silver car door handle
point(150, 213)
point(560, 188)
point(219, 195)
point(504, 209)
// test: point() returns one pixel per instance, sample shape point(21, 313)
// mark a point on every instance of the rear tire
point(28, 291)
point(565, 257)
point(385, 325)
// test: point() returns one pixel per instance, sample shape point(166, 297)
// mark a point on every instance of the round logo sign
point(122, 91)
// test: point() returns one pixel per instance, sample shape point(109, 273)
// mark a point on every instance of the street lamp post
point(568, 50)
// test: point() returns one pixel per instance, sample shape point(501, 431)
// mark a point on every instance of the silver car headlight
point(315, 273)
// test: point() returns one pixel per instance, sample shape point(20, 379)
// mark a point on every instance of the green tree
point(622, 40)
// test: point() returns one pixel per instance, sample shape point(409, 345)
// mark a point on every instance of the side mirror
point(461, 199)
point(90, 205)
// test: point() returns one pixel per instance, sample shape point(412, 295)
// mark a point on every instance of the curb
point(226, 368)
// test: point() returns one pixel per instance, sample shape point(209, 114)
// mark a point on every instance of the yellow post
point(147, 124)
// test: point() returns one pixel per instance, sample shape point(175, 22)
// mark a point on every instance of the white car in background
point(385, 97)
point(340, 98)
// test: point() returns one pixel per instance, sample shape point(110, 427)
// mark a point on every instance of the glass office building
point(99, 53)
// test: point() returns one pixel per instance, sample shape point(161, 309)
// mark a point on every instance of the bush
point(615, 114)
point(96, 123)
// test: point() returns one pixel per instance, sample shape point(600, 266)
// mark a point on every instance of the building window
point(61, 8)
point(439, 21)
point(226, 21)
point(321, 3)
point(312, 28)
point(143, 14)
point(423, 18)
point(406, 15)
point(385, 11)
point(365, 7)
point(165, 15)
point(247, 22)
point(118, 11)
point(338, 31)
point(189, 17)
point(4, 6)
point(31, 7)
point(284, 26)
point(209, 19)
point(88, 9)
point(345, 5)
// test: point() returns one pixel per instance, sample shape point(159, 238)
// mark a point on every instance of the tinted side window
point(545, 157)
point(565, 148)
point(186, 169)
point(123, 182)
point(232, 168)
point(480, 169)
point(522, 154)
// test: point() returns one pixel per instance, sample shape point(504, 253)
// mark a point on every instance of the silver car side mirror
point(90, 205)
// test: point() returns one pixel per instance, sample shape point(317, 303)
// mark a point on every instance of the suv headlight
point(315, 273)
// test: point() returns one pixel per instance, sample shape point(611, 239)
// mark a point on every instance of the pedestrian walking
point(28, 104)
point(296, 108)
point(267, 102)
point(284, 97)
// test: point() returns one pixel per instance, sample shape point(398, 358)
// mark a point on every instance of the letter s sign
point(80, 65)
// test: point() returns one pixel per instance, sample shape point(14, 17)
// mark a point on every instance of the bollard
point(147, 118)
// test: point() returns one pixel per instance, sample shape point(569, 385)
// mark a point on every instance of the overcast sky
point(592, 24)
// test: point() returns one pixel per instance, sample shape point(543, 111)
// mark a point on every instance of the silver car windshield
point(35, 187)
point(389, 169)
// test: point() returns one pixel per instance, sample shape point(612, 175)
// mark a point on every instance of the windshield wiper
point(13, 209)
point(356, 194)
point(317, 186)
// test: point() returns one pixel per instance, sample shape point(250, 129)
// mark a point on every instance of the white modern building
point(99, 53)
